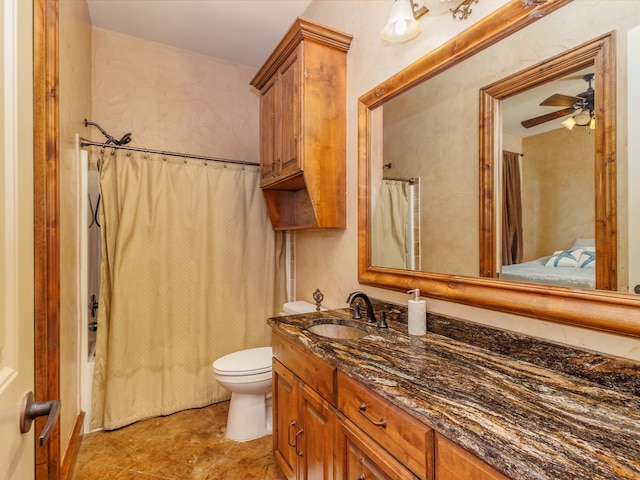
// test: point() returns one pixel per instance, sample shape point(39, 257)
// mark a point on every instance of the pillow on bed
point(583, 242)
point(565, 258)
point(587, 258)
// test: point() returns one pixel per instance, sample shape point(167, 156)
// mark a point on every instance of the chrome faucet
point(371, 318)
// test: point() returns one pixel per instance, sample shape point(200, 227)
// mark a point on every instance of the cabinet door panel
point(360, 458)
point(290, 116)
point(268, 134)
point(316, 441)
point(285, 399)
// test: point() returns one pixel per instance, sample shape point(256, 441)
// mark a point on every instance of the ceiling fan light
point(569, 123)
point(402, 25)
point(582, 118)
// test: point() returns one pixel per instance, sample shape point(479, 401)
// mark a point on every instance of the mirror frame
point(594, 309)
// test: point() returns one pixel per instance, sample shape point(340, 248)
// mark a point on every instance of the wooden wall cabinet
point(303, 128)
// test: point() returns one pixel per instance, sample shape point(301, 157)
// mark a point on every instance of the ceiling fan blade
point(532, 122)
point(560, 100)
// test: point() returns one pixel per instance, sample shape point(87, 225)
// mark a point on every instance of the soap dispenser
point(417, 314)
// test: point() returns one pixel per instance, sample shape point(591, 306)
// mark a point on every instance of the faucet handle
point(382, 323)
point(356, 312)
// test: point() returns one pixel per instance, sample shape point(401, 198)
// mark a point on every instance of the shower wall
point(89, 288)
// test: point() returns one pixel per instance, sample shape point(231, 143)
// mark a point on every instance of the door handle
point(30, 410)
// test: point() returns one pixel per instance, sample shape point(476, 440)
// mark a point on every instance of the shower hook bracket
point(126, 138)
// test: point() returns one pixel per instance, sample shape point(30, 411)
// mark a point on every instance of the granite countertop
point(521, 416)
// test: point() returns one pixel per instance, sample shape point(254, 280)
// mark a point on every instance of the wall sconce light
point(402, 24)
point(403, 21)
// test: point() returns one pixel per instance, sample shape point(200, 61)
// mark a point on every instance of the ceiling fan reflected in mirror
point(580, 107)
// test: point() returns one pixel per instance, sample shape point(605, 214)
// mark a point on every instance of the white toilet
point(247, 375)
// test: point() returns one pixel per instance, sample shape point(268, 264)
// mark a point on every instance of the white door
point(16, 235)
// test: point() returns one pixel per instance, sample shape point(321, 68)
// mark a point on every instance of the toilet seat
point(253, 361)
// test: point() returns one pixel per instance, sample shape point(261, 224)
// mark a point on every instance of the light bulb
point(402, 26)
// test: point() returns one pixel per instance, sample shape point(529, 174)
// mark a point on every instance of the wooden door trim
point(46, 228)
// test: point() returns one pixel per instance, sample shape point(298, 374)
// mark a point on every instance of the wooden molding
point(46, 230)
point(71, 454)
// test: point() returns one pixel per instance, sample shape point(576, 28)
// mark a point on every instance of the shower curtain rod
point(408, 180)
point(89, 143)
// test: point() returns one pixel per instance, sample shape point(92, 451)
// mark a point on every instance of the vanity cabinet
point(326, 425)
point(303, 128)
point(304, 422)
point(398, 435)
point(455, 463)
point(358, 457)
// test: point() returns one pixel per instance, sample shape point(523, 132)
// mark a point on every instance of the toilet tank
point(294, 308)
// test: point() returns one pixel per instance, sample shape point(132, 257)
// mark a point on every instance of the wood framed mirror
point(601, 309)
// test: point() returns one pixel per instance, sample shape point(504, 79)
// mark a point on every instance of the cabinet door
point(290, 161)
point(268, 133)
point(318, 420)
point(455, 463)
point(285, 399)
point(358, 457)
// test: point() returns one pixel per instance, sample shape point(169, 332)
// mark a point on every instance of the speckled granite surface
point(508, 399)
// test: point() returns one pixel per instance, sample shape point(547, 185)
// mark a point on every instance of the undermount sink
point(337, 331)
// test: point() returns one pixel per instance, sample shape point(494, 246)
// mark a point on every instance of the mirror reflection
point(429, 133)
point(546, 176)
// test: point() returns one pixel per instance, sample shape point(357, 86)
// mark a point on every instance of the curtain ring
point(113, 151)
point(164, 158)
point(145, 156)
point(243, 166)
point(185, 159)
point(225, 164)
point(128, 153)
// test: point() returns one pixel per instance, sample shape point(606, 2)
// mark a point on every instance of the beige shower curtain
point(191, 269)
point(389, 232)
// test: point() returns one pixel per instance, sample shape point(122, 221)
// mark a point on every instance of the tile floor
point(187, 445)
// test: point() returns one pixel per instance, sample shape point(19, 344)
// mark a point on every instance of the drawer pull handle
point(292, 424)
point(363, 411)
point(298, 452)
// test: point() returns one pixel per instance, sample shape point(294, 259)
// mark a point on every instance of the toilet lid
point(248, 362)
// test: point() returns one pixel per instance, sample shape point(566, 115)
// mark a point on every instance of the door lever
point(30, 410)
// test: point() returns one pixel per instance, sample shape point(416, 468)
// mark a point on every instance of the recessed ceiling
point(239, 31)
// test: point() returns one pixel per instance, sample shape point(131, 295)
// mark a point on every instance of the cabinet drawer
point(400, 434)
point(309, 368)
point(358, 457)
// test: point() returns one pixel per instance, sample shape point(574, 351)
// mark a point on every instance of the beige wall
point(557, 190)
point(171, 99)
point(328, 259)
point(75, 104)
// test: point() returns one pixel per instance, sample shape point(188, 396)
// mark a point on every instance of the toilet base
point(249, 416)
